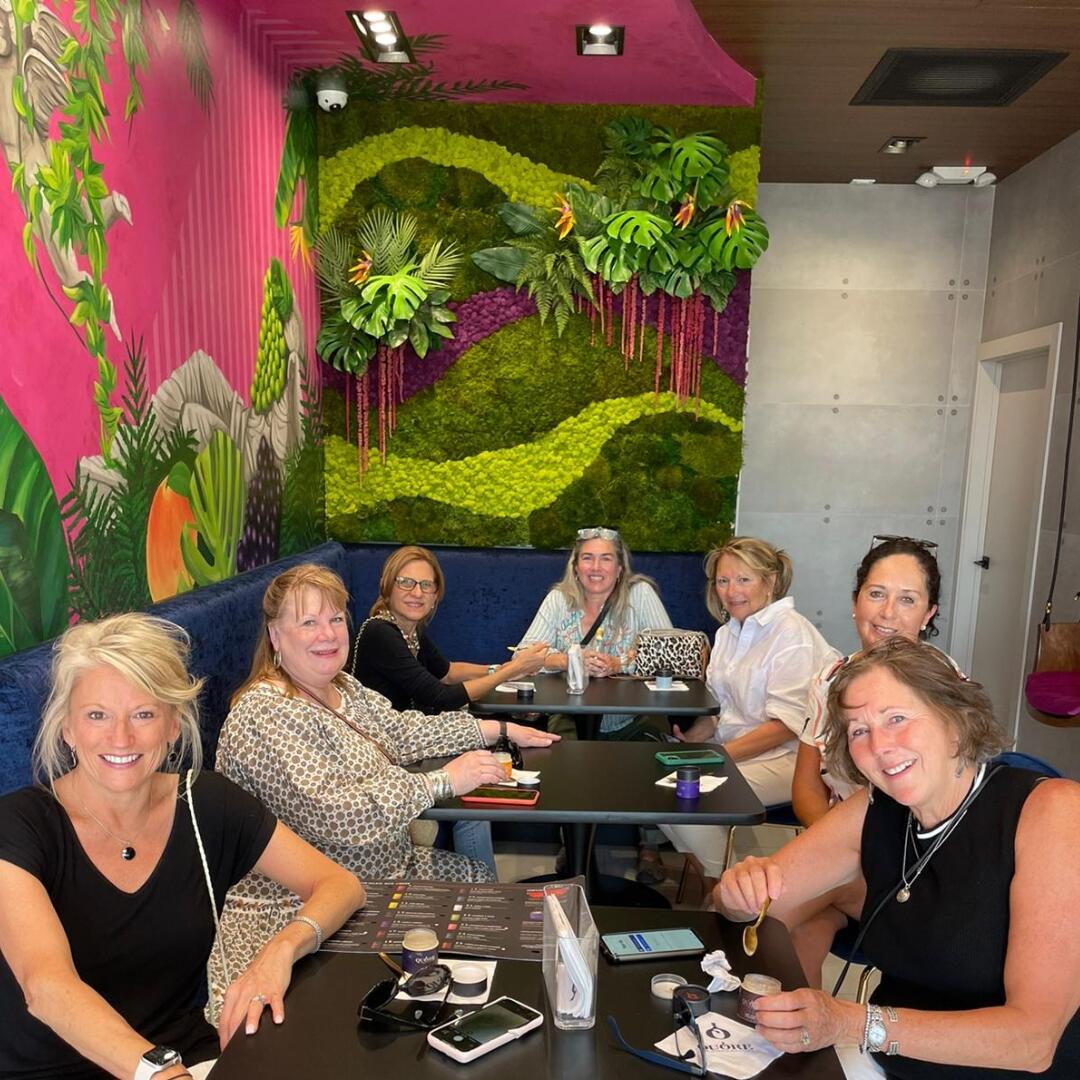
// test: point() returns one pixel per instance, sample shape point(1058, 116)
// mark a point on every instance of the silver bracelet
point(308, 921)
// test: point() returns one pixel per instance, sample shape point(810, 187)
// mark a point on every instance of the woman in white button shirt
point(762, 662)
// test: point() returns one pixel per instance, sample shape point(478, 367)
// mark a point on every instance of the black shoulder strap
point(599, 622)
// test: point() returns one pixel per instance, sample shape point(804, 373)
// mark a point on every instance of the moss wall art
point(527, 422)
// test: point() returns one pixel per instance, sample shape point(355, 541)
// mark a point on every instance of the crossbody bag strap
point(596, 625)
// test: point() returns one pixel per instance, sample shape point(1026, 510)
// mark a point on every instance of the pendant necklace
point(904, 892)
point(127, 850)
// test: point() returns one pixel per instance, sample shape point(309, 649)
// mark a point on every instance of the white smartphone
point(497, 1023)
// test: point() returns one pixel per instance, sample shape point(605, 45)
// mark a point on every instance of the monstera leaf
point(738, 247)
point(640, 227)
point(218, 494)
point(33, 555)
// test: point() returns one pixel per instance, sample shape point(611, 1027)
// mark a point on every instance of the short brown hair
point(760, 556)
point(962, 704)
point(291, 583)
point(391, 570)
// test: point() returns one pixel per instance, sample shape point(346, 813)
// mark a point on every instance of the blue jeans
point(473, 838)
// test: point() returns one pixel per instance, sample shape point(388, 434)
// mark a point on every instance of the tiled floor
point(530, 860)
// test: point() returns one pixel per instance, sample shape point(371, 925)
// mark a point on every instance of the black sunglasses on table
point(380, 1010)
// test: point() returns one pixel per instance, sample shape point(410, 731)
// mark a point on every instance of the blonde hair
point(963, 705)
point(291, 583)
point(760, 557)
point(571, 588)
point(150, 653)
point(395, 563)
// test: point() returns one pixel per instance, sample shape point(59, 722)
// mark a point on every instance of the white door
point(1002, 511)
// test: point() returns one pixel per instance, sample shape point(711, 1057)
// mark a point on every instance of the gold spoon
point(749, 934)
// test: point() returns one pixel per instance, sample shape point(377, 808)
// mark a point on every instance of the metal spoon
point(749, 934)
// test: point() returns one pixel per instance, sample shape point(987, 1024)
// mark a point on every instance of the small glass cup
point(754, 987)
point(663, 678)
point(506, 761)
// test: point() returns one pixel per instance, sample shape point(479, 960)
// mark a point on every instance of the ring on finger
point(804, 1038)
point(260, 998)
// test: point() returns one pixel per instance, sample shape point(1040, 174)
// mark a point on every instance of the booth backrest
point(491, 597)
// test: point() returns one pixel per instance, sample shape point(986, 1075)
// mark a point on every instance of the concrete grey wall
point(1033, 281)
point(864, 319)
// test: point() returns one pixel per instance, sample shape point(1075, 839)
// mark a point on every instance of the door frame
point(991, 357)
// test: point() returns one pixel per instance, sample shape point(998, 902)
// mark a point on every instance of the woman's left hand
point(803, 1020)
point(600, 665)
point(527, 736)
point(262, 985)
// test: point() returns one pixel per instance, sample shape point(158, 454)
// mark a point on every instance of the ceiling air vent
point(956, 77)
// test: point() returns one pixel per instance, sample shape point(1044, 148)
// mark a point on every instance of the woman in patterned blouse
point(327, 755)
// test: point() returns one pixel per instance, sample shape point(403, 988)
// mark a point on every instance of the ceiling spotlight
point(599, 39)
point(862, 181)
point(978, 175)
point(381, 36)
point(901, 144)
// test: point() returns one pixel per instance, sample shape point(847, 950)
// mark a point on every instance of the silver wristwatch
point(154, 1060)
point(876, 1034)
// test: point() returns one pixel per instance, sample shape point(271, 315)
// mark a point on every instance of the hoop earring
point(74, 755)
point(173, 756)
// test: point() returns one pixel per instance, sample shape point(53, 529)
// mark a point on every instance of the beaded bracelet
point(308, 921)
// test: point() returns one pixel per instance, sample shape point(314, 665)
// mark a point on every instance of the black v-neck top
point(945, 947)
point(144, 952)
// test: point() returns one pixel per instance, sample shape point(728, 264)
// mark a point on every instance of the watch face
point(161, 1056)
point(876, 1036)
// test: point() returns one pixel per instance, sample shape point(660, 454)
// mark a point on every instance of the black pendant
point(127, 854)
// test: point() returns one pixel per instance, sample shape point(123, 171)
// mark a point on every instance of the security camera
point(331, 95)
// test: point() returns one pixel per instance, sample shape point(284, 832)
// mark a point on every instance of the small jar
point(754, 987)
point(419, 949)
point(662, 679)
point(687, 782)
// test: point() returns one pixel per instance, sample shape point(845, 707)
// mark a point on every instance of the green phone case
point(681, 757)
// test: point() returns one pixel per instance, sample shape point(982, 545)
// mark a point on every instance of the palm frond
point(333, 255)
point(189, 31)
point(440, 265)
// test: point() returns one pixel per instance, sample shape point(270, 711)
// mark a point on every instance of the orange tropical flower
point(686, 211)
point(358, 274)
point(298, 244)
point(734, 219)
point(566, 216)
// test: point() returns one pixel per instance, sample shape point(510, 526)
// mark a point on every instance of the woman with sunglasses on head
point(897, 586)
point(328, 756)
point(602, 605)
point(394, 656)
point(113, 870)
point(968, 865)
point(763, 659)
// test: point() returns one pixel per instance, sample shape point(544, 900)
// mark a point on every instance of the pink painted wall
point(187, 274)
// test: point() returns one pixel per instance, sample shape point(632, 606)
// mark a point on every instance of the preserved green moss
point(416, 521)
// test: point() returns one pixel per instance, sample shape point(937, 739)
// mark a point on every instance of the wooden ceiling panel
point(813, 55)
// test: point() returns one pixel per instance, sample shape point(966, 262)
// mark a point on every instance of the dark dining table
point(320, 1039)
point(620, 694)
point(583, 784)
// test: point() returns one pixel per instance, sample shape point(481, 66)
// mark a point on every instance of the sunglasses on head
point(597, 533)
point(885, 538)
point(381, 1010)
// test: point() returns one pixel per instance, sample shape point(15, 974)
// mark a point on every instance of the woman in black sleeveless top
point(971, 881)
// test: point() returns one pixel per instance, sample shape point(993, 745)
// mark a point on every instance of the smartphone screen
point(646, 943)
point(487, 1024)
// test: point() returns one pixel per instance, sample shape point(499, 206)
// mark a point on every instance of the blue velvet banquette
point(491, 596)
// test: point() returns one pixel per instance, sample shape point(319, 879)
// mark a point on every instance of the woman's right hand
point(473, 769)
point(743, 889)
point(701, 730)
point(527, 660)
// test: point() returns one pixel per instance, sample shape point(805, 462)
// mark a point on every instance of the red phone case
point(495, 800)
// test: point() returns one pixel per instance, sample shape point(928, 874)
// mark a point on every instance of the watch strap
point(156, 1060)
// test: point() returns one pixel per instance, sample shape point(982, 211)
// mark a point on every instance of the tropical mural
point(530, 330)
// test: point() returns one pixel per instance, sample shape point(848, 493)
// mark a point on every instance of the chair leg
point(691, 863)
point(862, 993)
point(729, 847)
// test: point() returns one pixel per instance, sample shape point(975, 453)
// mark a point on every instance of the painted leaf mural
point(218, 494)
point(33, 556)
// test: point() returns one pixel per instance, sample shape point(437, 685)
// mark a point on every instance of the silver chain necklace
point(127, 850)
point(904, 892)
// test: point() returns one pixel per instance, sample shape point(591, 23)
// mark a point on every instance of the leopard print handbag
point(684, 652)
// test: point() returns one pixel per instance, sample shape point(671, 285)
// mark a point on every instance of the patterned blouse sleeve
point(330, 790)
point(415, 735)
point(545, 625)
point(648, 608)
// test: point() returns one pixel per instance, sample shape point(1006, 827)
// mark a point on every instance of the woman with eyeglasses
point(763, 659)
point(327, 755)
point(971, 878)
point(394, 656)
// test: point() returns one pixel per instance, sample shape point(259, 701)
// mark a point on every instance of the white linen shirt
point(762, 668)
